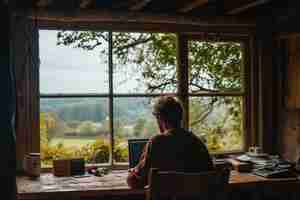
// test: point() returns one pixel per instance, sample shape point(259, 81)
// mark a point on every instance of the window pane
point(218, 121)
point(65, 69)
point(74, 127)
point(144, 62)
point(132, 119)
point(215, 66)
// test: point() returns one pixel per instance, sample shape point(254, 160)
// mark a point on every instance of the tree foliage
point(49, 126)
point(96, 152)
point(214, 66)
point(138, 129)
point(83, 110)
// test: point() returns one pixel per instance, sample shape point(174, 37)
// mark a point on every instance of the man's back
point(176, 150)
point(179, 150)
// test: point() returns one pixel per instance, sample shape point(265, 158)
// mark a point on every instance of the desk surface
point(115, 184)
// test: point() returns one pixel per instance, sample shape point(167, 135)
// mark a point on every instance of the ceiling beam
point(139, 5)
point(192, 5)
point(99, 15)
point(241, 8)
point(287, 35)
point(85, 3)
point(43, 3)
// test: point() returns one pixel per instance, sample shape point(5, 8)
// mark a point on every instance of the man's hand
point(131, 170)
point(133, 179)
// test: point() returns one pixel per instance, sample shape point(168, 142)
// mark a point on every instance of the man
point(173, 149)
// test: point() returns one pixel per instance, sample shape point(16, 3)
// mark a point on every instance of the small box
point(68, 167)
point(62, 167)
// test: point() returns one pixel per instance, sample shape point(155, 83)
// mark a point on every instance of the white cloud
point(70, 70)
point(65, 69)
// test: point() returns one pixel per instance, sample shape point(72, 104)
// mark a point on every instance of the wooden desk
point(114, 185)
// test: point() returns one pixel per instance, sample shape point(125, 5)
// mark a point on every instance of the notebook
point(135, 150)
point(275, 173)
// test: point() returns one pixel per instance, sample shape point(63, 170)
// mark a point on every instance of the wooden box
point(62, 167)
point(68, 167)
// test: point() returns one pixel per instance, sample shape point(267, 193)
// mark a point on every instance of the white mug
point(255, 150)
point(32, 164)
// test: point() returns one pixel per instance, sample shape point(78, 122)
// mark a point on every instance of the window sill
point(125, 165)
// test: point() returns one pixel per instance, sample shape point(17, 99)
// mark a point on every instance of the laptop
point(135, 150)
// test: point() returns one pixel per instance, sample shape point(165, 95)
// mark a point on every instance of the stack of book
point(266, 166)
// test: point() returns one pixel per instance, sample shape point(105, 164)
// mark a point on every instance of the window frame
point(182, 87)
point(249, 121)
point(111, 95)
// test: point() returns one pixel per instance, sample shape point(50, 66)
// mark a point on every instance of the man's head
point(168, 112)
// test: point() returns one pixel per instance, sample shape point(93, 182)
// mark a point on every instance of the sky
point(64, 69)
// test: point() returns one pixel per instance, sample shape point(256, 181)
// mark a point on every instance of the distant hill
point(96, 109)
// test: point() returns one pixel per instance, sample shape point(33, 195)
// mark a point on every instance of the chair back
point(180, 185)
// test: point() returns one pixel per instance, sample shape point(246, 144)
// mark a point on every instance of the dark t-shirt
point(178, 150)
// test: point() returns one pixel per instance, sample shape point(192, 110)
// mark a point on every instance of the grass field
point(72, 142)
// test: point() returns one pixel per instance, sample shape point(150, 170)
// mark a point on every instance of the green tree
point(83, 110)
point(86, 128)
point(214, 65)
point(43, 130)
point(49, 126)
point(73, 124)
point(138, 128)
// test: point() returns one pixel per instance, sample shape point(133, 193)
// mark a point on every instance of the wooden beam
point(43, 3)
point(139, 5)
point(191, 5)
point(287, 35)
point(246, 6)
point(183, 76)
point(94, 16)
point(85, 3)
point(231, 32)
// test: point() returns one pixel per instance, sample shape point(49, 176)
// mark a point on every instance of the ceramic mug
point(255, 150)
point(32, 164)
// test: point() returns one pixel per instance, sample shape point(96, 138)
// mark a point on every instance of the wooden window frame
point(250, 121)
point(111, 96)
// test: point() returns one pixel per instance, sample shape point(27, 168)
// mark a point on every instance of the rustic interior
point(270, 26)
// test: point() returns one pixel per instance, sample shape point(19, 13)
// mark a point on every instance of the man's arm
point(137, 177)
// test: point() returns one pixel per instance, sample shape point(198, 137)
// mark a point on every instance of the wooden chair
point(178, 185)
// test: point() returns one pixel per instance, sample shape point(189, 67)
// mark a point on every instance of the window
point(91, 103)
point(74, 103)
point(137, 80)
point(96, 96)
point(216, 93)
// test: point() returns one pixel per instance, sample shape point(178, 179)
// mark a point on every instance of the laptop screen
point(135, 150)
